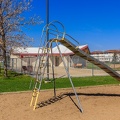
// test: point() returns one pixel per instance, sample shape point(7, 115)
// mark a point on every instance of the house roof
point(97, 52)
point(26, 50)
point(66, 51)
point(112, 51)
point(34, 50)
point(107, 51)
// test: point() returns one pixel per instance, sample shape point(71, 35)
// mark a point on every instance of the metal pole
point(79, 105)
point(68, 62)
point(16, 64)
point(21, 65)
point(47, 34)
point(92, 69)
point(0, 67)
point(53, 72)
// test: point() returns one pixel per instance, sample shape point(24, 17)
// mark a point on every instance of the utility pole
point(47, 35)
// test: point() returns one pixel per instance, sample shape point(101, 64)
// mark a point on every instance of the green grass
point(14, 82)
point(82, 81)
point(19, 82)
point(92, 66)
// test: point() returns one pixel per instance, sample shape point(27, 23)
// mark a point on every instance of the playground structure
point(57, 37)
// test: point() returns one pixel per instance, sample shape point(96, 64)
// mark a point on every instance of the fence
point(23, 65)
point(114, 65)
point(27, 64)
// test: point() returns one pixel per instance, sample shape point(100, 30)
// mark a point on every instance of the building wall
point(77, 60)
point(57, 61)
point(16, 62)
point(106, 57)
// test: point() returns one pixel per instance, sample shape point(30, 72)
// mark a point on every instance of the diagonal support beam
point(79, 105)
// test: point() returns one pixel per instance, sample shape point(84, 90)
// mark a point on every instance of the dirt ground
point(98, 103)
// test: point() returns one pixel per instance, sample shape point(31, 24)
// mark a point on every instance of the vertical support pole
point(53, 72)
point(68, 60)
point(12, 63)
point(80, 107)
point(16, 64)
point(92, 69)
point(21, 65)
point(0, 67)
point(47, 35)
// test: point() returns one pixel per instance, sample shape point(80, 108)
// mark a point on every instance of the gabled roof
point(34, 50)
point(26, 50)
point(66, 51)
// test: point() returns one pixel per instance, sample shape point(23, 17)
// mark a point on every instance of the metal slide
point(61, 37)
point(89, 58)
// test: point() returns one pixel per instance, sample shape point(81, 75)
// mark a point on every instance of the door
point(56, 61)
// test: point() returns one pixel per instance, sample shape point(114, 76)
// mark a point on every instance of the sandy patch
point(98, 103)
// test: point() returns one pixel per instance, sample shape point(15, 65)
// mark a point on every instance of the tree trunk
point(4, 56)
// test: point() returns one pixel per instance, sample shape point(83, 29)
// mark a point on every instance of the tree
point(11, 22)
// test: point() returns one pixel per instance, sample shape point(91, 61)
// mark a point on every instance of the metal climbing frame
point(43, 56)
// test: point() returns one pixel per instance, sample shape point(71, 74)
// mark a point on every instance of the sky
point(92, 22)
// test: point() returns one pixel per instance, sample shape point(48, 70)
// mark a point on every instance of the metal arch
point(54, 30)
point(46, 28)
point(55, 21)
point(63, 34)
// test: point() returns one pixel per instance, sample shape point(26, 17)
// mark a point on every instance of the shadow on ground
point(64, 95)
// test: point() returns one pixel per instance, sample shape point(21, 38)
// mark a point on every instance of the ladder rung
point(46, 48)
point(34, 96)
point(37, 81)
point(42, 63)
point(41, 66)
point(43, 59)
point(35, 90)
point(39, 73)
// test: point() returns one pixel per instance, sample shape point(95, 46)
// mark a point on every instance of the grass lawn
point(20, 82)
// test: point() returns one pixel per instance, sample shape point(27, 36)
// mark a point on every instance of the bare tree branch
point(12, 20)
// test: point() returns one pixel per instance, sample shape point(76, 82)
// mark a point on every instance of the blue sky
point(92, 22)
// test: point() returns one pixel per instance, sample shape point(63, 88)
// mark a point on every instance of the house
point(28, 56)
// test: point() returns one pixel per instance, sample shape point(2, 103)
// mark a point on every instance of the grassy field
point(20, 82)
point(14, 82)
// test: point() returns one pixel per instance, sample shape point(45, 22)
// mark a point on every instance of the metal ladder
point(39, 76)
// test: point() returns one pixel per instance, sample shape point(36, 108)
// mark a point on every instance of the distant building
point(107, 56)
